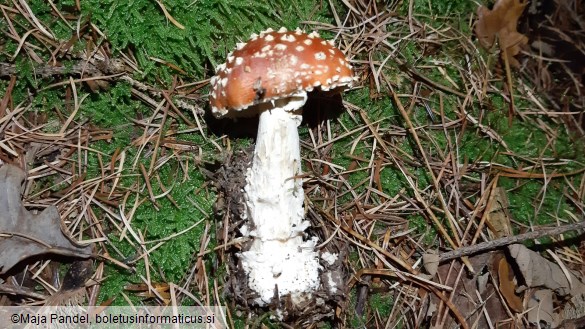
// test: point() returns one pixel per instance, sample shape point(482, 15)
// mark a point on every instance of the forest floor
point(449, 180)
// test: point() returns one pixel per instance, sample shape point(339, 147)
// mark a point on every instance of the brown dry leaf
point(469, 301)
point(23, 234)
point(508, 286)
point(498, 219)
point(501, 22)
point(538, 272)
point(72, 291)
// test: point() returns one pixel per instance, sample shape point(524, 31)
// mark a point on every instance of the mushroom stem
point(278, 257)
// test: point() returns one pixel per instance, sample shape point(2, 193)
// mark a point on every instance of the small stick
point(494, 244)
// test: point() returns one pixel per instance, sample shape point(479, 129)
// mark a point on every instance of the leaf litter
point(463, 196)
point(24, 234)
point(501, 23)
point(546, 280)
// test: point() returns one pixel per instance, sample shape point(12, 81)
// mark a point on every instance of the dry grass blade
point(64, 154)
point(458, 190)
point(415, 163)
point(170, 18)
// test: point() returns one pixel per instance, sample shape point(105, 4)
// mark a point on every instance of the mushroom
point(270, 75)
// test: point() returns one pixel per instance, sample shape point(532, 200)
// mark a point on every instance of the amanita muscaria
point(270, 75)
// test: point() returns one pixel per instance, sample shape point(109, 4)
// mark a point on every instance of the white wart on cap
point(276, 64)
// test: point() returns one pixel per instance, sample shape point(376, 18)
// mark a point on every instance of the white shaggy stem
point(278, 256)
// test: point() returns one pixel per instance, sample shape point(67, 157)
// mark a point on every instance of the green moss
point(172, 259)
point(211, 29)
point(392, 181)
point(423, 227)
point(116, 280)
point(382, 303)
point(531, 204)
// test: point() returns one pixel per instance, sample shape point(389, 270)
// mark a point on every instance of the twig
point(99, 68)
point(494, 244)
point(362, 239)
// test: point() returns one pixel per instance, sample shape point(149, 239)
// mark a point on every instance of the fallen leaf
point(475, 305)
point(540, 307)
point(431, 263)
point(537, 271)
point(508, 286)
point(501, 23)
point(498, 219)
point(72, 291)
point(23, 234)
point(482, 282)
point(573, 315)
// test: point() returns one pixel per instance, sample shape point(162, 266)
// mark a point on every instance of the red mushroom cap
point(277, 64)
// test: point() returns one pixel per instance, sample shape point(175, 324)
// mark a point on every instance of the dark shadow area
point(320, 106)
point(233, 128)
point(556, 33)
point(552, 245)
point(78, 272)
